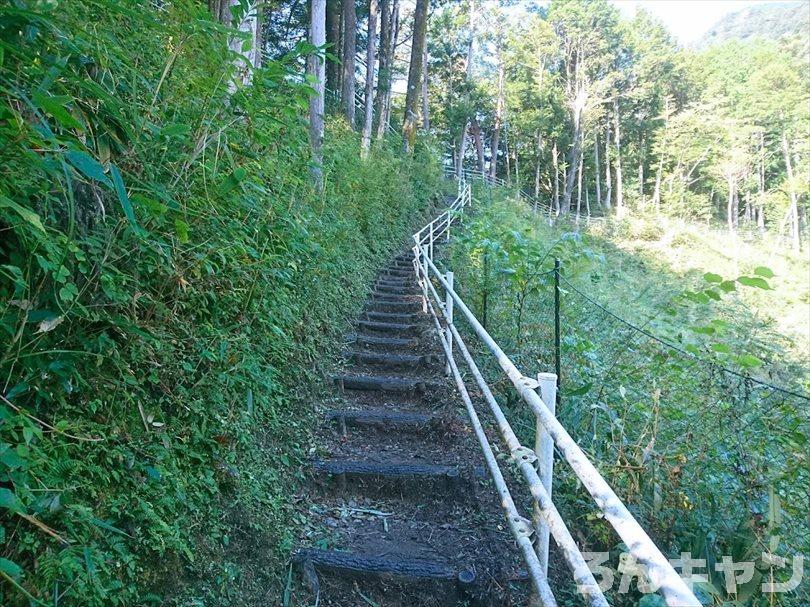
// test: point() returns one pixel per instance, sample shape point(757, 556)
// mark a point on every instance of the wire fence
point(709, 460)
point(670, 413)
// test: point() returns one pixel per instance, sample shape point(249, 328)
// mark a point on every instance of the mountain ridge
point(770, 20)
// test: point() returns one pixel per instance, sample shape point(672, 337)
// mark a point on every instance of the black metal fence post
point(557, 362)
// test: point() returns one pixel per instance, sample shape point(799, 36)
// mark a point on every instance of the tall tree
point(597, 176)
point(499, 108)
point(395, 21)
point(588, 34)
point(317, 69)
point(415, 73)
point(617, 139)
point(425, 98)
point(333, 9)
point(347, 95)
point(462, 142)
point(608, 182)
point(371, 60)
point(385, 63)
point(246, 43)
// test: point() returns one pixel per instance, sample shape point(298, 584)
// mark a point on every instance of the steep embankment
point(671, 364)
point(168, 281)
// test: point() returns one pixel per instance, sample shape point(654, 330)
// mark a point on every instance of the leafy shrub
point(170, 285)
point(709, 460)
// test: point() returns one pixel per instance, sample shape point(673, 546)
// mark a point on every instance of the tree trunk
point(618, 138)
point(394, 36)
point(425, 100)
point(507, 157)
point(608, 183)
point(537, 164)
point(794, 203)
point(415, 73)
point(731, 214)
point(597, 176)
point(221, 10)
point(749, 212)
point(656, 201)
point(462, 150)
point(462, 144)
point(556, 167)
point(587, 201)
point(383, 72)
point(576, 147)
point(371, 60)
point(657, 191)
point(475, 129)
point(641, 183)
point(347, 95)
point(333, 39)
point(317, 69)
point(579, 186)
point(761, 173)
point(248, 58)
point(496, 131)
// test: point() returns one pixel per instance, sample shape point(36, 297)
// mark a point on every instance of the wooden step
point(385, 306)
point(395, 290)
point(396, 280)
point(408, 287)
point(381, 417)
point(378, 296)
point(382, 384)
point(387, 327)
point(397, 273)
point(389, 360)
point(390, 566)
point(362, 468)
point(401, 342)
point(391, 316)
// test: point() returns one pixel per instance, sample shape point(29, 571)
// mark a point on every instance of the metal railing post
point(448, 306)
point(557, 349)
point(431, 242)
point(425, 278)
point(544, 450)
point(419, 268)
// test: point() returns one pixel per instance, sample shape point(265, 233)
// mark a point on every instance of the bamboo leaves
point(92, 169)
point(26, 214)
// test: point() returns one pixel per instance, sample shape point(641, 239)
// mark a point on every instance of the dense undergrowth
point(169, 283)
point(707, 454)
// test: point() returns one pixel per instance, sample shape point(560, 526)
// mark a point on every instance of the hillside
point(770, 20)
point(172, 284)
point(672, 349)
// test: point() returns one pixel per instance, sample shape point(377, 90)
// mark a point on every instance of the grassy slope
point(691, 449)
point(154, 424)
point(775, 323)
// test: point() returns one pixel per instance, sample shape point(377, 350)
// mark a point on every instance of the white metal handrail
point(492, 181)
point(535, 465)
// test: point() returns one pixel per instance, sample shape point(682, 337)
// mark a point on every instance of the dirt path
point(402, 513)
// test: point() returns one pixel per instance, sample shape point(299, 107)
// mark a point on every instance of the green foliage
point(715, 134)
point(167, 288)
point(709, 460)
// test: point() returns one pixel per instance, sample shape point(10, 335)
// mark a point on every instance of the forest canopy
point(598, 113)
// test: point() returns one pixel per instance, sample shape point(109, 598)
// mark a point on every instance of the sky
point(688, 20)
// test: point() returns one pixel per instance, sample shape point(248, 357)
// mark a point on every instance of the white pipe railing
point(535, 466)
point(492, 181)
